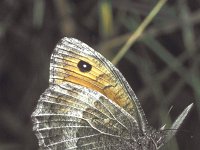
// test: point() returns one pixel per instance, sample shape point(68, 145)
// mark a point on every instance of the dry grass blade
point(138, 32)
point(106, 18)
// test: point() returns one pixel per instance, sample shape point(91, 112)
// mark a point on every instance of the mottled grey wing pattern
point(69, 116)
point(104, 76)
point(92, 107)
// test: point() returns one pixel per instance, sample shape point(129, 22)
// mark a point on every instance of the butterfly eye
point(84, 66)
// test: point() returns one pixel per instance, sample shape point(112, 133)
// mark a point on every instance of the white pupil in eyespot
point(84, 66)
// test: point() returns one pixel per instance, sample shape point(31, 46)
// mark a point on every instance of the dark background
point(162, 66)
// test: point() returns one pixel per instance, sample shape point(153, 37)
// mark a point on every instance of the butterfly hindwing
point(89, 105)
point(70, 116)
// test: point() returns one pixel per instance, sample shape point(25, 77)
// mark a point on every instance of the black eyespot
point(84, 66)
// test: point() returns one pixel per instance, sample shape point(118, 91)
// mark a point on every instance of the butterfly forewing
point(103, 76)
point(89, 105)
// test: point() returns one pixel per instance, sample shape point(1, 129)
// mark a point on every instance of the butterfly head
point(90, 105)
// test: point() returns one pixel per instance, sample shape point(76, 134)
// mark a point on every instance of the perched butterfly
point(89, 105)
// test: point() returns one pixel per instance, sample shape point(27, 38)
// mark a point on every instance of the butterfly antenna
point(170, 109)
point(177, 123)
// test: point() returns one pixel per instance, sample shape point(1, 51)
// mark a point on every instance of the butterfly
point(89, 105)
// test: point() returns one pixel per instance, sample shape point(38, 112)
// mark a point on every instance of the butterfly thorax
point(90, 105)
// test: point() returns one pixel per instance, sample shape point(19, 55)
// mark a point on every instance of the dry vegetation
point(162, 66)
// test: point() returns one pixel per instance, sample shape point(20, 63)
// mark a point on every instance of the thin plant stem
point(138, 32)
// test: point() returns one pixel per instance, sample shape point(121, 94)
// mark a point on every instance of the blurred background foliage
point(162, 66)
